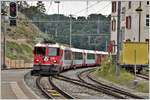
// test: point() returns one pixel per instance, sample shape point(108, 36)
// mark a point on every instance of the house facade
point(134, 25)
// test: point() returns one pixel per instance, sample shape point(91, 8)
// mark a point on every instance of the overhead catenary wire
point(49, 5)
point(104, 7)
point(87, 8)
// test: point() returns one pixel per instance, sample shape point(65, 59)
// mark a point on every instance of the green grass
point(17, 51)
point(125, 78)
point(13, 50)
point(145, 70)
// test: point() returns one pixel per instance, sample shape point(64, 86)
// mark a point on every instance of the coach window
point(67, 55)
point(40, 51)
point(90, 56)
point(78, 55)
point(53, 51)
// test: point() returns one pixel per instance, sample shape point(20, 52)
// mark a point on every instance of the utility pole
point(139, 10)
point(4, 43)
point(87, 3)
point(98, 22)
point(56, 31)
point(106, 46)
point(70, 30)
point(118, 36)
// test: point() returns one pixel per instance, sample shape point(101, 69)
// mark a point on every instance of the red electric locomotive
point(52, 58)
point(47, 58)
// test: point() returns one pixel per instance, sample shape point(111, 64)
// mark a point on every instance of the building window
point(113, 23)
point(147, 19)
point(129, 5)
point(128, 22)
point(114, 6)
point(114, 45)
point(147, 2)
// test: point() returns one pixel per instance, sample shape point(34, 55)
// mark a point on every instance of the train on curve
point(53, 58)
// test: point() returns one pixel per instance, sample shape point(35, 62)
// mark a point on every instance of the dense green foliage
point(94, 24)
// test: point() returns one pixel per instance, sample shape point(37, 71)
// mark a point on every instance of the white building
point(129, 22)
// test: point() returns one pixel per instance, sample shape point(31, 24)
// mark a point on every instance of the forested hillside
point(34, 25)
point(85, 31)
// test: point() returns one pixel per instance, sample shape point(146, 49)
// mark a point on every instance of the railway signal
point(12, 13)
point(13, 9)
point(12, 22)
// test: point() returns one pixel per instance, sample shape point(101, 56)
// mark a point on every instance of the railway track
point(52, 91)
point(107, 88)
point(143, 76)
point(89, 86)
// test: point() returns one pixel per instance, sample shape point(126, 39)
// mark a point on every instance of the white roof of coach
point(101, 52)
point(62, 47)
point(90, 51)
point(68, 48)
point(76, 50)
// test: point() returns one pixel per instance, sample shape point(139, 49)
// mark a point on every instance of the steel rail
point(143, 76)
point(89, 86)
point(107, 87)
point(42, 90)
point(65, 94)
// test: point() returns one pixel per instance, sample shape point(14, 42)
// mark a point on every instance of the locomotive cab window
point(40, 51)
point(53, 51)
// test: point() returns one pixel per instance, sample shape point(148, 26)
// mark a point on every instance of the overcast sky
point(77, 8)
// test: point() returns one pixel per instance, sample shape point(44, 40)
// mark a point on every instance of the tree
point(41, 7)
point(22, 5)
point(81, 18)
point(3, 8)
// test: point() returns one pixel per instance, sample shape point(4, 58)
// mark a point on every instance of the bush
point(107, 71)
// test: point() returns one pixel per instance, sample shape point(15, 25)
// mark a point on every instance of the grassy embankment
point(20, 39)
point(19, 51)
point(107, 71)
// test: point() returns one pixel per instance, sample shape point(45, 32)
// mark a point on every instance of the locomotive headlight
point(37, 60)
point(46, 59)
point(55, 61)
